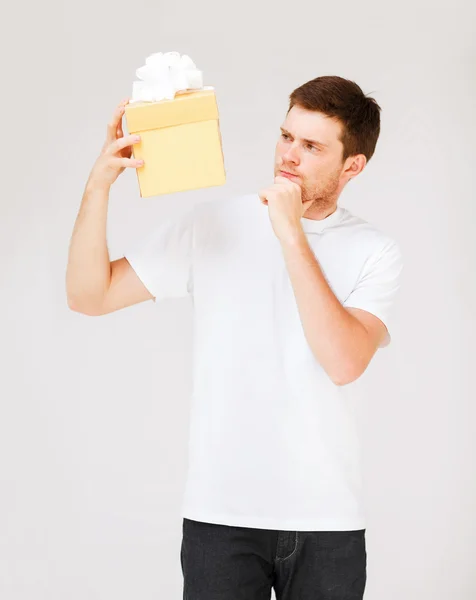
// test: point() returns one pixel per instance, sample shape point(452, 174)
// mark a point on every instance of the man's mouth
point(288, 175)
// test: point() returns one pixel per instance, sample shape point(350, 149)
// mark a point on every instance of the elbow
point(340, 381)
point(72, 304)
point(344, 376)
point(84, 302)
point(81, 308)
point(81, 311)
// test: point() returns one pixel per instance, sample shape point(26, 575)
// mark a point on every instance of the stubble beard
point(323, 198)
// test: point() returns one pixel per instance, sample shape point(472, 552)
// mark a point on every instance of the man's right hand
point(115, 154)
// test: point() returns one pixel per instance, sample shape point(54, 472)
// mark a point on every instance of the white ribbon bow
point(163, 75)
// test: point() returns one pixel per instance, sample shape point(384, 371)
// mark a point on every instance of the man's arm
point(343, 340)
point(94, 285)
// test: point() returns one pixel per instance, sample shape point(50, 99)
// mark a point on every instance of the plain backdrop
point(94, 411)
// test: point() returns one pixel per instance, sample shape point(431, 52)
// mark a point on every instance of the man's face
point(309, 148)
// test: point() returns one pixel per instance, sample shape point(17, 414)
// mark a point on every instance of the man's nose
point(291, 155)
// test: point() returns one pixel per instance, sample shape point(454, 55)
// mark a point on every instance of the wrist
point(294, 238)
point(97, 187)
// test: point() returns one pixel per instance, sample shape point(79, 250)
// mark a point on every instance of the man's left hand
point(285, 207)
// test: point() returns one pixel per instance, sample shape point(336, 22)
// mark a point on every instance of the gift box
point(180, 142)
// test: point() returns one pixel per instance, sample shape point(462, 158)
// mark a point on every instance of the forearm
point(88, 272)
point(334, 335)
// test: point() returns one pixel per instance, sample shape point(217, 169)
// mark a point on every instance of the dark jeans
point(223, 562)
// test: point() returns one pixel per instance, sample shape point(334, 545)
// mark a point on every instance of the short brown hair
point(344, 101)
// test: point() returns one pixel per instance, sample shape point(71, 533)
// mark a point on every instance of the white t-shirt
point(272, 442)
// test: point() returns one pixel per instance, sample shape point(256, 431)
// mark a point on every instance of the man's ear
point(356, 164)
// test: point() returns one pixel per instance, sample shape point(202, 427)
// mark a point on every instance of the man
point(292, 297)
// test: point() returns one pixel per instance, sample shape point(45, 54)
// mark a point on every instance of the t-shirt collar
point(316, 226)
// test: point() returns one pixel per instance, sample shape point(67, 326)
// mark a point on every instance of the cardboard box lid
point(185, 108)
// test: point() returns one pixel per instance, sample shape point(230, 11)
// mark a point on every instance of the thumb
point(262, 196)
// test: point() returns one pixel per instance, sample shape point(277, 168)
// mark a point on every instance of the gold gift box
point(180, 143)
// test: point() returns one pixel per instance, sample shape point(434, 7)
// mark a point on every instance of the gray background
point(94, 411)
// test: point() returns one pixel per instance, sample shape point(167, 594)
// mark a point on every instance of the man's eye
point(311, 147)
point(284, 135)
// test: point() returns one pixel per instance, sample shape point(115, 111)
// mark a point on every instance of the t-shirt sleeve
point(163, 259)
point(378, 286)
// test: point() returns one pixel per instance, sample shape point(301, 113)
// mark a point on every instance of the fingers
point(280, 181)
point(116, 120)
point(119, 131)
point(264, 192)
point(128, 162)
point(262, 197)
point(122, 142)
